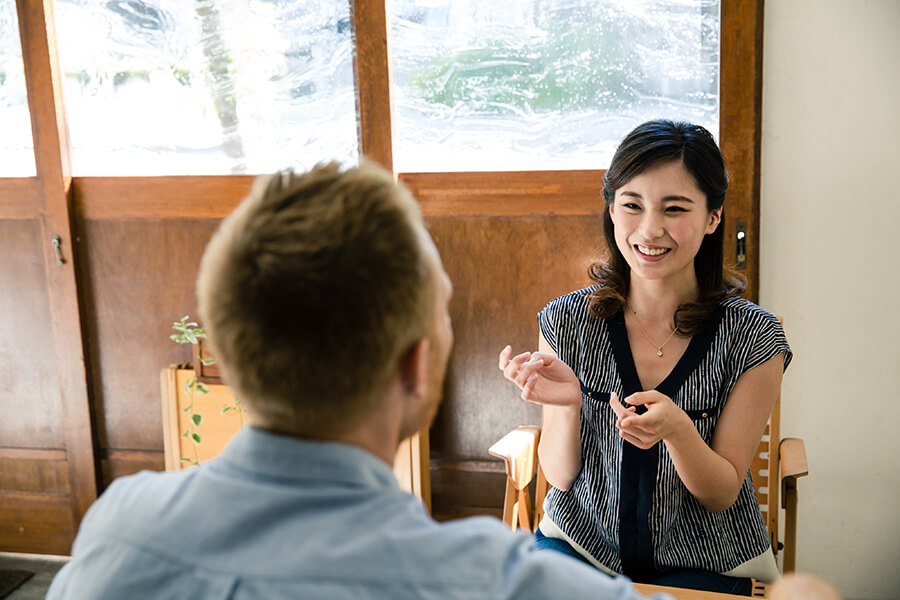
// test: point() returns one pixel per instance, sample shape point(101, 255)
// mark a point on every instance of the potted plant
point(200, 413)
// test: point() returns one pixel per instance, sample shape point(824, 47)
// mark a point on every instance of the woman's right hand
point(542, 377)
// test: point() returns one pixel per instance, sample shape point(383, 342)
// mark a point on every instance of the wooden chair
point(775, 468)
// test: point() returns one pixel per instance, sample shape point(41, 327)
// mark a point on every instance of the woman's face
point(660, 219)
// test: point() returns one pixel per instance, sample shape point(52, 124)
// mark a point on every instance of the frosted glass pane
point(16, 146)
point(544, 84)
point(166, 87)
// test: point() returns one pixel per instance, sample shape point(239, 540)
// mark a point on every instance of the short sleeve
point(765, 339)
point(548, 320)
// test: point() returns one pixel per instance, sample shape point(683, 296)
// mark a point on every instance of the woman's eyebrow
point(677, 199)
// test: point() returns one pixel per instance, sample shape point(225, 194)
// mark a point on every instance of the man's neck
point(378, 433)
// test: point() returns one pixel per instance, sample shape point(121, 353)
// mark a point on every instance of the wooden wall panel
point(138, 278)
point(27, 470)
point(466, 489)
point(29, 387)
point(119, 463)
point(504, 270)
point(507, 193)
point(36, 523)
point(19, 198)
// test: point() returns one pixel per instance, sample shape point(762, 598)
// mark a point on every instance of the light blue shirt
point(277, 517)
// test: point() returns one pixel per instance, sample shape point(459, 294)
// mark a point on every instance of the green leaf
point(196, 437)
point(184, 459)
point(197, 418)
point(186, 433)
point(208, 361)
point(201, 388)
point(226, 409)
point(196, 463)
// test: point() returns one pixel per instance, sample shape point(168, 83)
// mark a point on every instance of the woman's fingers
point(527, 371)
point(528, 389)
point(631, 426)
point(512, 367)
point(504, 356)
point(617, 406)
point(634, 440)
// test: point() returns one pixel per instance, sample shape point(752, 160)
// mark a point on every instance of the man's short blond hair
point(311, 291)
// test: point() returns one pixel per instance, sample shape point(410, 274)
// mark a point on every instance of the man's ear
point(414, 368)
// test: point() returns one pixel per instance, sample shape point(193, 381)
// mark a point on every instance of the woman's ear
point(715, 217)
point(414, 368)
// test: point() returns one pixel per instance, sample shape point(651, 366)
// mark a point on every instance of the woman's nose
point(652, 226)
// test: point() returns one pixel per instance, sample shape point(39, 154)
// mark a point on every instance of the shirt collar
point(262, 453)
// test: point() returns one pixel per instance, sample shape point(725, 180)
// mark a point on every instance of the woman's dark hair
point(649, 144)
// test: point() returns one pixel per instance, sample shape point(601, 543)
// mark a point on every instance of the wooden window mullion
point(372, 77)
point(740, 115)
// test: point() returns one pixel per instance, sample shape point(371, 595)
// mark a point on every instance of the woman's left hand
point(662, 420)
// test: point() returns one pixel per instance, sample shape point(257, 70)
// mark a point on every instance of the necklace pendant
point(659, 352)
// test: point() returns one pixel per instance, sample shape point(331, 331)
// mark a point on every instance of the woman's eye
point(675, 209)
point(631, 206)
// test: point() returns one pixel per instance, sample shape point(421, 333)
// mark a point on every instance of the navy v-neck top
point(628, 507)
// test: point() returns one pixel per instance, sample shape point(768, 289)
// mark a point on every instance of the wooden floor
point(44, 568)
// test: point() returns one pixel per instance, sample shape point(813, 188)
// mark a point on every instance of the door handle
point(56, 242)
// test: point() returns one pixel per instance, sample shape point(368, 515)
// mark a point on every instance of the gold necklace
point(659, 348)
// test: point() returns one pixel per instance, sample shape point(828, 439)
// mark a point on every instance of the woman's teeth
point(651, 251)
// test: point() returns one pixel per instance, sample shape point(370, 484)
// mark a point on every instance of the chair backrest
point(764, 470)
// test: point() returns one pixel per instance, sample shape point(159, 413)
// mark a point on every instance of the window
point(543, 85)
point(206, 87)
point(16, 148)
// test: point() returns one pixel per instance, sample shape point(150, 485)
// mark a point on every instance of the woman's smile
point(651, 252)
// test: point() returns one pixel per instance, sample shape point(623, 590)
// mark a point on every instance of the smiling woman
point(643, 487)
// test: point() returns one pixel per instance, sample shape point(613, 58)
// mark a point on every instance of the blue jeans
point(696, 579)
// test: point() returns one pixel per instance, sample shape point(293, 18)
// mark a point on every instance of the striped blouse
point(628, 508)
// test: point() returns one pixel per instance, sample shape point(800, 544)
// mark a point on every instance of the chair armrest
point(792, 454)
point(792, 458)
point(518, 449)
